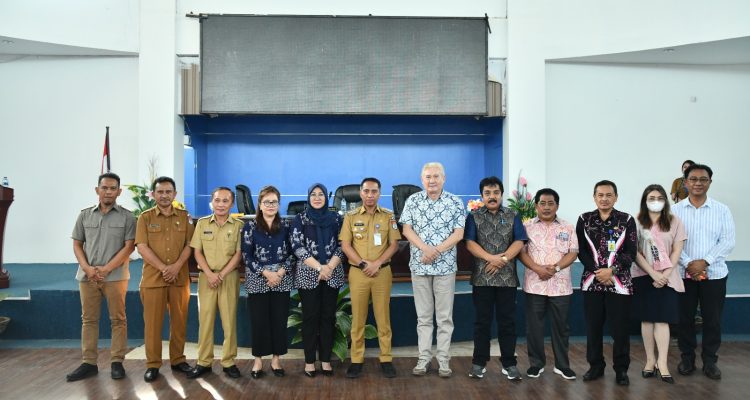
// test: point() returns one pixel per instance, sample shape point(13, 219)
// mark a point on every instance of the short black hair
point(163, 179)
point(110, 175)
point(222, 188)
point(547, 191)
point(369, 179)
point(699, 166)
point(605, 182)
point(491, 181)
point(689, 162)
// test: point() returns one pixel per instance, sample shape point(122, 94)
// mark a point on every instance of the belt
point(388, 264)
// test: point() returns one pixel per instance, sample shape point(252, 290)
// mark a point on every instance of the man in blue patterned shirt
point(433, 222)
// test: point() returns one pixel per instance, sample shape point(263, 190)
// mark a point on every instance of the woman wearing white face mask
point(656, 280)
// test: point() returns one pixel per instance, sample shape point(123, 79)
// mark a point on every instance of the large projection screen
point(343, 65)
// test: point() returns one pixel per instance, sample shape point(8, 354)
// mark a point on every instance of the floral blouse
point(305, 245)
point(263, 251)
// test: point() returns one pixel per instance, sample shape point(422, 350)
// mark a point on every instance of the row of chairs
point(344, 193)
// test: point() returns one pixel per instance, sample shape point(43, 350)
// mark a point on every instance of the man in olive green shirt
point(217, 251)
point(102, 242)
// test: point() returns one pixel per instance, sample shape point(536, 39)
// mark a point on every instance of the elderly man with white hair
point(433, 222)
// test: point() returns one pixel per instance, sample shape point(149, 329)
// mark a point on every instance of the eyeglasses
point(270, 203)
point(702, 179)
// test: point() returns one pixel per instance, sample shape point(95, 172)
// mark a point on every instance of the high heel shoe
point(278, 371)
point(327, 372)
point(310, 374)
point(665, 378)
point(648, 374)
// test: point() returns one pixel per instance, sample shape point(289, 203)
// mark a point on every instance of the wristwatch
point(557, 268)
point(362, 264)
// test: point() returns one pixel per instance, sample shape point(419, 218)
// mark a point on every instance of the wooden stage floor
point(40, 374)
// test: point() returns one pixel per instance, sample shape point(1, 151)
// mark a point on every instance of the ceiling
point(729, 51)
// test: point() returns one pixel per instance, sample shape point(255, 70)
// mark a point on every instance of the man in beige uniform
point(369, 237)
point(162, 236)
point(217, 251)
point(102, 242)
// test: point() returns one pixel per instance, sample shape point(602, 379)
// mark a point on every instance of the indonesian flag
point(105, 155)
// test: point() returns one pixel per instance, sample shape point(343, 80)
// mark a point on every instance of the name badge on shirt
point(611, 245)
point(377, 239)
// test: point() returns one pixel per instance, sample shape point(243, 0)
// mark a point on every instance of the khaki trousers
point(91, 307)
point(156, 301)
point(433, 296)
point(224, 298)
point(361, 287)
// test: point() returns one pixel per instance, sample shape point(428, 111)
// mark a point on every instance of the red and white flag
point(105, 155)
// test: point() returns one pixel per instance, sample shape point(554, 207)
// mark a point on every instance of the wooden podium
point(6, 197)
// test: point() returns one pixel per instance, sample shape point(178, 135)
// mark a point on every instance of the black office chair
point(350, 193)
point(399, 196)
point(296, 207)
point(244, 200)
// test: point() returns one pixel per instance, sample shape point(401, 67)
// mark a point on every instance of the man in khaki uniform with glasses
point(217, 251)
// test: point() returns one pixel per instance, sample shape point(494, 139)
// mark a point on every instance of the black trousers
point(615, 310)
point(500, 301)
point(537, 308)
point(318, 321)
point(268, 315)
point(710, 294)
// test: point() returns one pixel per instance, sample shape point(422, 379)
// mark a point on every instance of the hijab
point(324, 221)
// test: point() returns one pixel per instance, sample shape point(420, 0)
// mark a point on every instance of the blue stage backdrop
point(292, 152)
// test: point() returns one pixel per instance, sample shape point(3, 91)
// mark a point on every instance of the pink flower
point(522, 181)
point(515, 193)
point(528, 196)
point(150, 194)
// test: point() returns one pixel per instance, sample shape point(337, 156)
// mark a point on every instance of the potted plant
point(343, 323)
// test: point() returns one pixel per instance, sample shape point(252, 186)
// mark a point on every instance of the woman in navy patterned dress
point(318, 277)
point(268, 280)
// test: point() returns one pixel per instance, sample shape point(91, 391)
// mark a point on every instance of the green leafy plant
point(522, 201)
point(342, 333)
point(142, 197)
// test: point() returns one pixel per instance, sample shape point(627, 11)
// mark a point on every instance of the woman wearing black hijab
point(318, 277)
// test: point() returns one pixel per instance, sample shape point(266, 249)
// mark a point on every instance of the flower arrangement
point(522, 200)
point(143, 197)
point(474, 205)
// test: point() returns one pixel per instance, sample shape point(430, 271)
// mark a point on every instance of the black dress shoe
point(712, 371)
point(686, 367)
point(151, 374)
point(182, 367)
point(278, 372)
point(387, 369)
point(257, 374)
point(621, 378)
point(83, 371)
point(648, 374)
point(232, 372)
point(117, 371)
point(198, 371)
point(593, 373)
point(311, 374)
point(354, 370)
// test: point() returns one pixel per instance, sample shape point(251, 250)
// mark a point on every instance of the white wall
point(102, 24)
point(53, 112)
point(636, 124)
point(539, 30)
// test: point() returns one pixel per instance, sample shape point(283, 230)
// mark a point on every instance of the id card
point(377, 239)
point(611, 245)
